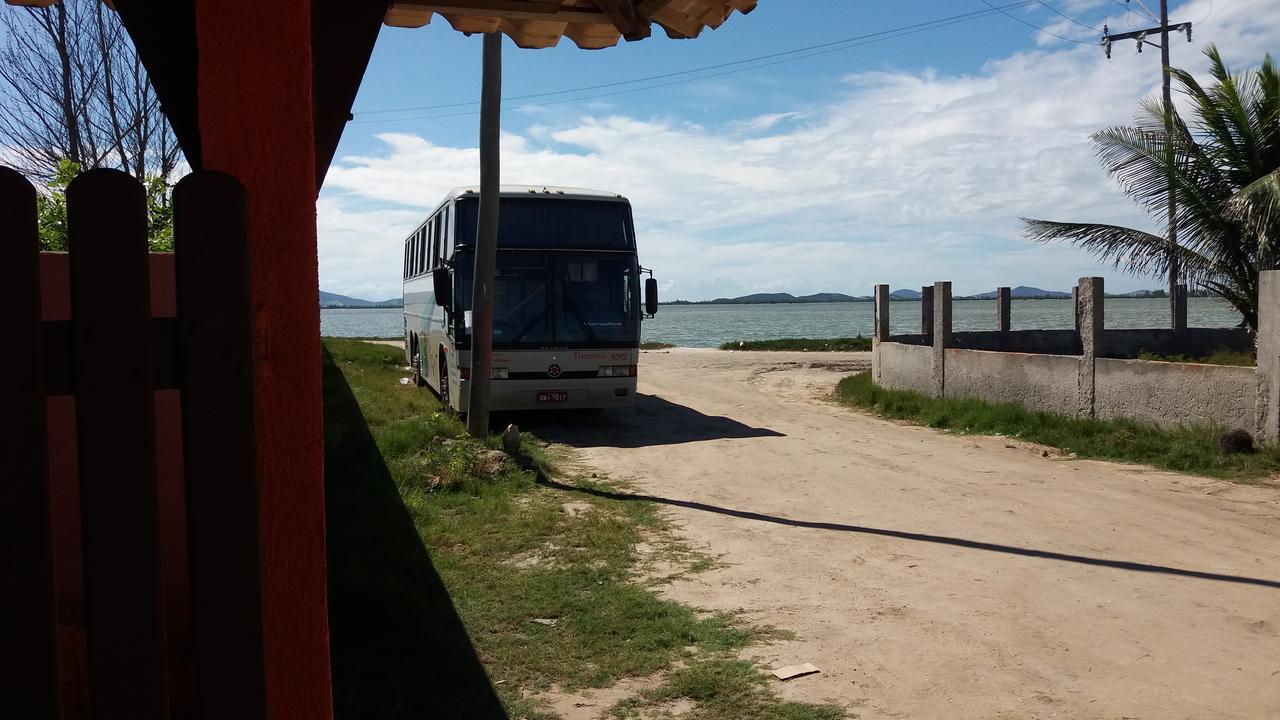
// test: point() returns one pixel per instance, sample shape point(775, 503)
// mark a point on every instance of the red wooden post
point(257, 123)
point(115, 430)
point(28, 656)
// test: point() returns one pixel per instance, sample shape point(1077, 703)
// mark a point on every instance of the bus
point(566, 300)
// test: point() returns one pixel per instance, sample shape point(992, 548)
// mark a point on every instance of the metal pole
point(1172, 232)
point(486, 239)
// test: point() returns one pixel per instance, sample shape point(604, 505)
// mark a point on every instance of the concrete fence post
point(942, 338)
point(1004, 313)
point(882, 313)
point(1089, 319)
point(1075, 308)
point(1180, 310)
point(926, 313)
point(1269, 355)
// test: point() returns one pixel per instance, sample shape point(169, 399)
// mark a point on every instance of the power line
point(1056, 11)
point(801, 53)
point(1128, 8)
point(1034, 26)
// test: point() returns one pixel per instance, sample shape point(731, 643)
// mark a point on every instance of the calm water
point(710, 325)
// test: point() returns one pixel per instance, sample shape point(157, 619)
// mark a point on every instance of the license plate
point(553, 396)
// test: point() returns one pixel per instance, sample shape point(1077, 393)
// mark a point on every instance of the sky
point(904, 157)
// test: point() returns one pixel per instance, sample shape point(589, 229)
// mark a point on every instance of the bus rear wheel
point(416, 362)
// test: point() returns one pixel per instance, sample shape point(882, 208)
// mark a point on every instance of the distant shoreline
point(361, 307)
point(897, 299)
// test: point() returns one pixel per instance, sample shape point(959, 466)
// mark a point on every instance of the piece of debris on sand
point(794, 671)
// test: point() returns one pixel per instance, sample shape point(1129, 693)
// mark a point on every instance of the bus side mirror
point(443, 282)
point(651, 296)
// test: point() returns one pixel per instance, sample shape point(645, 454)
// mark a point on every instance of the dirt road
point(938, 576)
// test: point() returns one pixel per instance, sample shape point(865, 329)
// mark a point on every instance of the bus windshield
point(551, 222)
point(554, 299)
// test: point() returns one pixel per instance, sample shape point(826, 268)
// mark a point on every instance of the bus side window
point(422, 255)
point(404, 269)
point(447, 244)
point(430, 244)
point(436, 231)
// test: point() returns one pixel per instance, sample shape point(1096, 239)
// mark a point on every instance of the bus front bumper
point(577, 394)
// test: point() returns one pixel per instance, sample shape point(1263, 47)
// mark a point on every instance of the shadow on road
point(919, 537)
point(653, 421)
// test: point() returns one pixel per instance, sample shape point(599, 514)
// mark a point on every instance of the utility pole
point(1177, 302)
point(486, 239)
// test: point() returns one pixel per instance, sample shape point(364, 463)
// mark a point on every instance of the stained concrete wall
point(1035, 381)
point(1192, 342)
point(903, 367)
point(1052, 342)
point(1176, 393)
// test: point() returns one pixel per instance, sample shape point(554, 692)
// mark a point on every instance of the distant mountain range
point(1022, 292)
point(333, 300)
point(774, 299)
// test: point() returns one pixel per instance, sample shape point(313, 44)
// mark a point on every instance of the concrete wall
point(1176, 393)
point(1035, 381)
point(903, 367)
point(1191, 342)
point(1087, 380)
point(1052, 342)
point(1269, 355)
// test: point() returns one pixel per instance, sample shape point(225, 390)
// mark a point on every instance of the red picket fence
point(129, 496)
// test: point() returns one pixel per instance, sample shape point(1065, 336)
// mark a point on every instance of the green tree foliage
point(1222, 166)
point(51, 206)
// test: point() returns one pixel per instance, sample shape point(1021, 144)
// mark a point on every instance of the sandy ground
point(938, 576)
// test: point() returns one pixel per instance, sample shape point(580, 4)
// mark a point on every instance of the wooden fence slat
point(115, 427)
point(28, 657)
point(220, 444)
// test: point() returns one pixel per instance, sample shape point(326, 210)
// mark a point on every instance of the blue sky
point(906, 160)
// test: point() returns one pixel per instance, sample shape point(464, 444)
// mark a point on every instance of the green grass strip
point(1188, 449)
point(853, 344)
point(1218, 357)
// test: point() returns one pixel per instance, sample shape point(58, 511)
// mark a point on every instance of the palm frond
point(1257, 208)
point(1133, 251)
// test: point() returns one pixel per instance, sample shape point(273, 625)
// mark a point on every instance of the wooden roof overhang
point(590, 24)
point(344, 31)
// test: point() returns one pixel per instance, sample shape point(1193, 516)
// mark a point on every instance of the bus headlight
point(498, 373)
point(617, 371)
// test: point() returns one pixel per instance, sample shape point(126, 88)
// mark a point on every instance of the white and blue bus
point(566, 301)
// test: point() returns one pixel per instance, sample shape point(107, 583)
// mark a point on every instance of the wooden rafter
point(625, 16)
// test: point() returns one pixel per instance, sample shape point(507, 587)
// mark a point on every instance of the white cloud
point(899, 177)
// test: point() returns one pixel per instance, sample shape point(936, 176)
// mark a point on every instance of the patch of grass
point(853, 344)
point(721, 689)
point(1217, 357)
point(653, 345)
point(364, 338)
point(1183, 449)
point(441, 560)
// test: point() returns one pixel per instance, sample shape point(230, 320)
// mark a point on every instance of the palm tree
point(1224, 169)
